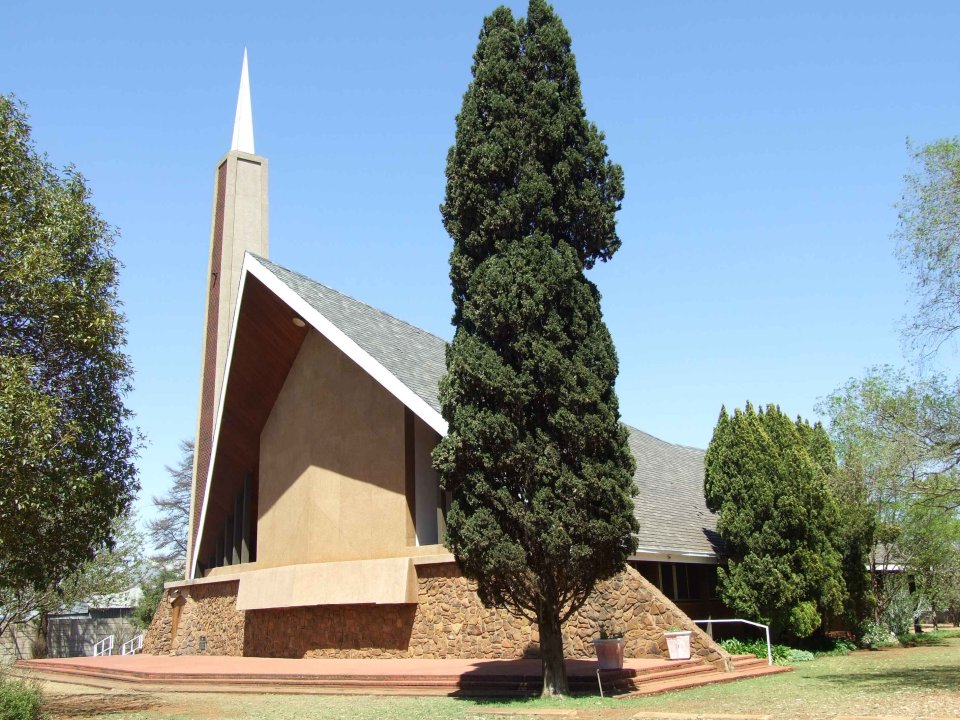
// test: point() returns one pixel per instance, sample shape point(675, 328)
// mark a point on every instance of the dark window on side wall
point(649, 570)
point(668, 585)
point(712, 582)
point(678, 581)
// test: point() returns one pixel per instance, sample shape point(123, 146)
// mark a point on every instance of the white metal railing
point(748, 622)
point(104, 647)
point(132, 646)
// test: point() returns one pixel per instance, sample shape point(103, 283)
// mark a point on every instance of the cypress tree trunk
point(551, 652)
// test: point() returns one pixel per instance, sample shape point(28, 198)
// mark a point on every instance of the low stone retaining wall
point(448, 621)
point(186, 615)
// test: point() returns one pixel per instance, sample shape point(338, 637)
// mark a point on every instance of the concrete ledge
point(390, 581)
point(438, 559)
point(225, 578)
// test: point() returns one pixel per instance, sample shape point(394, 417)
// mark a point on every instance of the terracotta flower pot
point(610, 653)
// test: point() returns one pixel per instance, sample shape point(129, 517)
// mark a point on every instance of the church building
point(317, 520)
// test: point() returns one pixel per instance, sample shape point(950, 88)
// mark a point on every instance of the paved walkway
point(193, 673)
point(207, 665)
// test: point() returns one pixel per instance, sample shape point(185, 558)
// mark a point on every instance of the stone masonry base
point(448, 621)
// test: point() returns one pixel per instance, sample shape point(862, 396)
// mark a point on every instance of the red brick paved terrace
point(194, 673)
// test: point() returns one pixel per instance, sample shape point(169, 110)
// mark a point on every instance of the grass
point(929, 637)
point(911, 682)
point(899, 681)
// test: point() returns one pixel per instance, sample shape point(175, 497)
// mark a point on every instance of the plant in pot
point(609, 647)
point(678, 643)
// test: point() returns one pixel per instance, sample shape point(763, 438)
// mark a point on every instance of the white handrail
point(748, 622)
point(132, 646)
point(104, 647)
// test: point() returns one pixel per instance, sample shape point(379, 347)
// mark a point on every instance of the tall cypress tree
point(767, 478)
point(535, 456)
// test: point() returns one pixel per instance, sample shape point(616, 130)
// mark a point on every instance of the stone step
point(626, 685)
point(741, 662)
point(700, 669)
point(123, 674)
point(684, 683)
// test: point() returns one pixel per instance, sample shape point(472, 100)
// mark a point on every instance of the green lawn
point(910, 682)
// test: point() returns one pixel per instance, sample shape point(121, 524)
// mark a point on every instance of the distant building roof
point(669, 506)
point(114, 601)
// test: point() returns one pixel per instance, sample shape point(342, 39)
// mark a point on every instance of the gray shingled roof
point(669, 504)
point(414, 356)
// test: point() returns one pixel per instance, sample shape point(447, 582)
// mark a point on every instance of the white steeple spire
point(243, 122)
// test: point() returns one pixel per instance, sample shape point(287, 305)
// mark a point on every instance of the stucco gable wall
point(332, 472)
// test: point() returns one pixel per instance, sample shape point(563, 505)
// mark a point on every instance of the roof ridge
point(419, 329)
point(631, 428)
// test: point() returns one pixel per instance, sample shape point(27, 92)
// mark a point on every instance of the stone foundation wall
point(447, 621)
point(350, 631)
point(187, 614)
point(629, 603)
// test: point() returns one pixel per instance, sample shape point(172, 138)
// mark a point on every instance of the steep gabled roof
point(414, 356)
point(409, 362)
point(669, 504)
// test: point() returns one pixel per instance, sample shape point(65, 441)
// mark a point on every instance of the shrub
point(903, 608)
point(805, 619)
point(795, 656)
point(19, 700)
point(758, 648)
point(837, 647)
point(876, 635)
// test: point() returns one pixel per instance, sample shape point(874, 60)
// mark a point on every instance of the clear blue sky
point(763, 146)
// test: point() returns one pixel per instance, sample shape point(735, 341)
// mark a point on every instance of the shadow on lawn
point(935, 677)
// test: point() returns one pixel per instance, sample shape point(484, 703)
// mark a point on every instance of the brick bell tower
point(239, 225)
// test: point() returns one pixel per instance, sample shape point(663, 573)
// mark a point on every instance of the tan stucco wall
point(332, 472)
point(350, 582)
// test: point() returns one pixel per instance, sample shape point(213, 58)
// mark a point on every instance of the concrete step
point(744, 662)
point(660, 678)
point(684, 683)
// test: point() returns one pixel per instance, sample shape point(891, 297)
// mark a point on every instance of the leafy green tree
point(930, 548)
point(66, 445)
point(892, 433)
point(535, 457)
point(951, 597)
point(108, 572)
point(889, 427)
point(766, 477)
point(928, 242)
